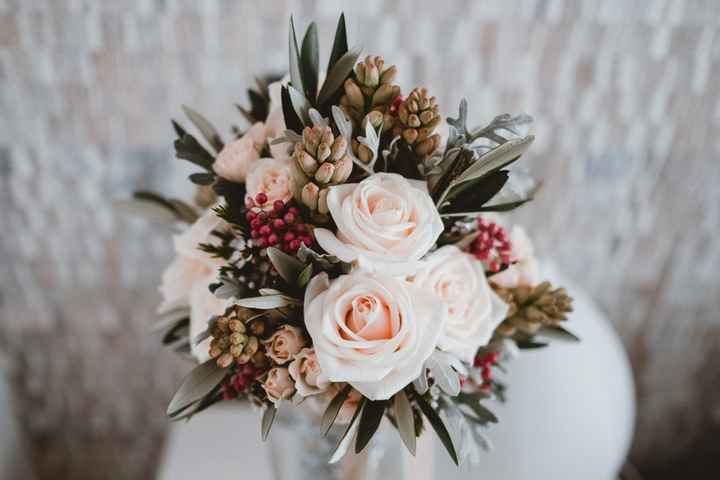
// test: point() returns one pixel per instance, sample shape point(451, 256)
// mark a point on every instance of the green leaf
point(198, 383)
point(340, 45)
point(333, 408)
point(339, 73)
point(482, 412)
point(267, 302)
point(288, 267)
point(405, 420)
point(305, 276)
point(349, 427)
point(530, 344)
point(496, 158)
point(267, 421)
point(474, 195)
point(202, 178)
point(179, 130)
point(558, 333)
point(369, 422)
point(310, 61)
point(504, 207)
point(438, 426)
point(184, 211)
point(300, 104)
point(188, 148)
point(292, 119)
point(205, 127)
point(294, 65)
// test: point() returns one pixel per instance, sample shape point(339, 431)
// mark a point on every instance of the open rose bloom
point(349, 259)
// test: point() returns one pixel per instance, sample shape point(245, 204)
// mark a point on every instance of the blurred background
point(626, 97)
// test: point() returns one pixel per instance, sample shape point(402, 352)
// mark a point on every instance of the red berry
point(307, 241)
point(261, 198)
point(289, 237)
point(265, 230)
point(294, 245)
point(273, 240)
point(255, 223)
point(294, 210)
point(300, 228)
point(262, 216)
point(278, 205)
point(289, 217)
point(278, 224)
point(250, 216)
point(254, 234)
point(261, 242)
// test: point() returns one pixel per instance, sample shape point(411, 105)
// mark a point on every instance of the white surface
point(570, 415)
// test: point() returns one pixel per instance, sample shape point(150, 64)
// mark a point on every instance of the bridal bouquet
point(346, 252)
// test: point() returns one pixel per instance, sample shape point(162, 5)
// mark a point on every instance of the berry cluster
point(281, 227)
point(484, 362)
point(395, 105)
point(492, 245)
point(240, 381)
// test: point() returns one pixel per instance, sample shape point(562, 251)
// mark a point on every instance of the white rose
point(384, 223)
point(305, 370)
point(372, 331)
point(203, 305)
point(525, 269)
point(473, 308)
point(270, 176)
point(235, 159)
point(185, 281)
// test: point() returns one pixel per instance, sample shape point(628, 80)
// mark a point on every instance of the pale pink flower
point(278, 385)
point(305, 370)
point(284, 343)
point(384, 223)
point(236, 158)
point(272, 177)
point(372, 331)
point(473, 309)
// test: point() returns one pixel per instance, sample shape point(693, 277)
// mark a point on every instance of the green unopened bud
point(375, 118)
point(238, 338)
point(388, 75)
point(343, 169)
point(383, 95)
point(322, 201)
point(413, 121)
point(410, 135)
point(311, 139)
point(339, 148)
point(236, 325)
point(306, 162)
point(323, 152)
point(325, 173)
point(309, 195)
point(354, 95)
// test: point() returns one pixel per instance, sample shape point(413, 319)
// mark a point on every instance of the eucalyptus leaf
point(446, 378)
point(310, 61)
point(305, 276)
point(496, 158)
point(292, 120)
point(202, 178)
point(201, 380)
point(530, 344)
point(474, 195)
point(179, 130)
point(171, 318)
point(369, 422)
point(558, 333)
point(439, 427)
point(150, 211)
point(300, 104)
point(288, 267)
point(184, 211)
point(340, 45)
point(294, 61)
point(188, 148)
point(338, 74)
point(347, 435)
point(405, 420)
point(205, 128)
point(333, 408)
point(482, 412)
point(267, 302)
point(267, 421)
